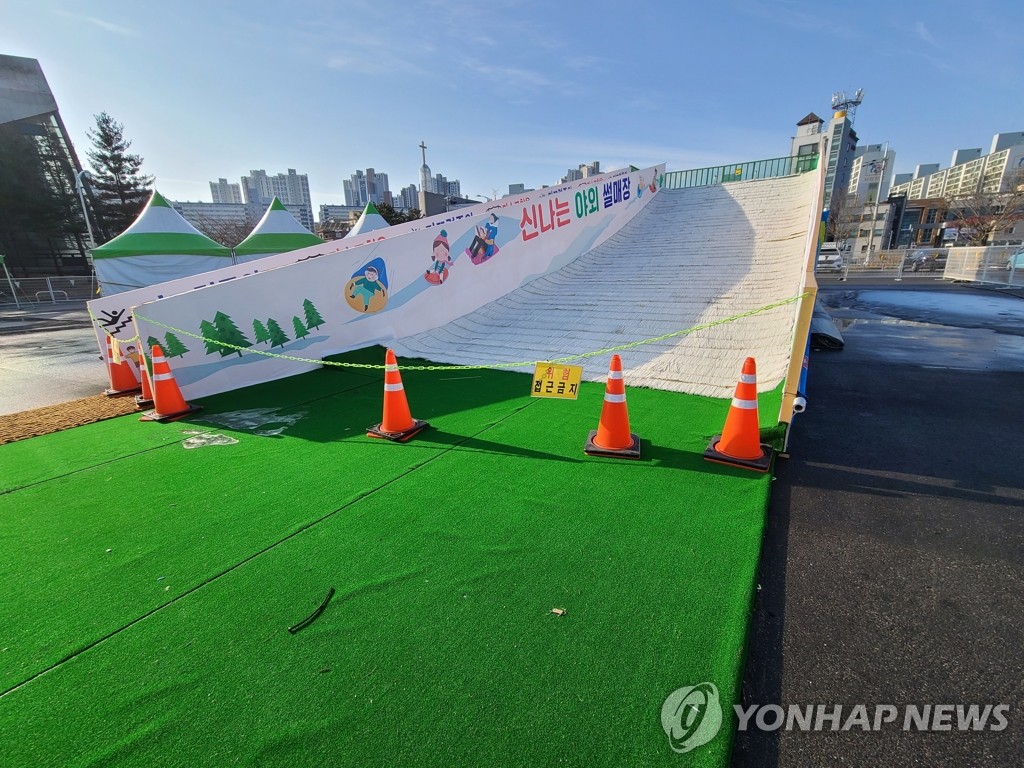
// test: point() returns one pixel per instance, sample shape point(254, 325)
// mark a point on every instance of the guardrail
point(756, 169)
point(35, 291)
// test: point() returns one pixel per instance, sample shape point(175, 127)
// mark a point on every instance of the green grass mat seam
point(208, 430)
point(303, 529)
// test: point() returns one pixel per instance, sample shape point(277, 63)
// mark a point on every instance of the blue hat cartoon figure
point(367, 291)
point(442, 255)
point(484, 244)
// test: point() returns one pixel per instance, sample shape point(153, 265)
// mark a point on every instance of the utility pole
point(878, 194)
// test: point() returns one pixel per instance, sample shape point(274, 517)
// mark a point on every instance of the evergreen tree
point(277, 336)
point(300, 329)
point(260, 332)
point(313, 319)
point(121, 190)
point(391, 216)
point(174, 346)
point(228, 332)
point(210, 337)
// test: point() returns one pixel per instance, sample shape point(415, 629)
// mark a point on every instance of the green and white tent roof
point(160, 230)
point(278, 231)
point(369, 220)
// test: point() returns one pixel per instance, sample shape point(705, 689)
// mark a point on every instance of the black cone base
point(154, 416)
point(758, 465)
point(632, 452)
point(397, 437)
point(121, 392)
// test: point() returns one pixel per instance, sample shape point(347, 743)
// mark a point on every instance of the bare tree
point(979, 216)
point(844, 215)
point(227, 232)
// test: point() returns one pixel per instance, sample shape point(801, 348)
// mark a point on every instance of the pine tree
point(313, 319)
point(300, 329)
point(174, 346)
point(228, 332)
point(121, 190)
point(260, 332)
point(277, 336)
point(151, 342)
point(210, 337)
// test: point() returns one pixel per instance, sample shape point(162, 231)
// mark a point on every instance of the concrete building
point(871, 173)
point(842, 147)
point(292, 189)
point(583, 171)
point(408, 198)
point(367, 187)
point(970, 173)
point(229, 223)
point(223, 192)
point(28, 110)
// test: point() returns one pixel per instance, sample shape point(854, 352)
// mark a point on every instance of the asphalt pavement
point(48, 355)
point(892, 569)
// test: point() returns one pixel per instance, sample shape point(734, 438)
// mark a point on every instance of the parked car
point(830, 260)
point(1016, 260)
point(924, 261)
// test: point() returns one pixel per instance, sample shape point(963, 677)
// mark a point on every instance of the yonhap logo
point(691, 716)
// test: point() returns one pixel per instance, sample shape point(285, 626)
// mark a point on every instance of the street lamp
point(80, 178)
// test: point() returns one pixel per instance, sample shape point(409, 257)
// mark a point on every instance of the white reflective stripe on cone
point(614, 374)
point(610, 398)
point(162, 376)
point(393, 387)
point(391, 367)
point(748, 378)
point(747, 405)
point(160, 359)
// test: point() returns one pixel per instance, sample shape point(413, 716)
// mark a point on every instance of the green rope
point(530, 363)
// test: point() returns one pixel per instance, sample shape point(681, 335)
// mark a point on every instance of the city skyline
point(503, 95)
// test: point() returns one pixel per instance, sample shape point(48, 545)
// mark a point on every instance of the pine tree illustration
point(151, 342)
point(174, 346)
point(313, 319)
point(228, 332)
point(260, 332)
point(300, 329)
point(210, 337)
point(277, 336)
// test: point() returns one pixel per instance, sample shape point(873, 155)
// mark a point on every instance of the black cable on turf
point(314, 615)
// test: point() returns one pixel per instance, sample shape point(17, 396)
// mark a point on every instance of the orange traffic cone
point(398, 424)
point(146, 398)
point(167, 400)
point(612, 436)
point(740, 444)
point(122, 377)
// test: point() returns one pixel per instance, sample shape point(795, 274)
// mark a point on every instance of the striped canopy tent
point(369, 220)
point(159, 246)
point(278, 232)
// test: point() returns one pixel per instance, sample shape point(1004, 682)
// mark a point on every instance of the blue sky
point(506, 91)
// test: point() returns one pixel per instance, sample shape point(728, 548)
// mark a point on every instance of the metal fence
point(36, 291)
point(994, 264)
point(757, 169)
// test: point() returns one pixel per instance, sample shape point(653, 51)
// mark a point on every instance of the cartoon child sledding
point(438, 272)
point(366, 287)
point(484, 244)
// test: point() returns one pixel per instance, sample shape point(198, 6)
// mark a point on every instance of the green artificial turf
point(447, 553)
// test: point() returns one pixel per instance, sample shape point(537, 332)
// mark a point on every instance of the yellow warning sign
point(556, 380)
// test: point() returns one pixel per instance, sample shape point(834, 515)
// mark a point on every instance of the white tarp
point(394, 287)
